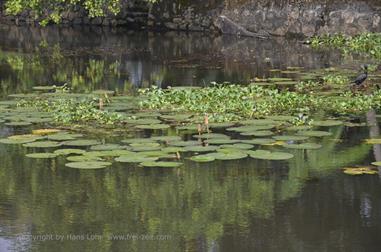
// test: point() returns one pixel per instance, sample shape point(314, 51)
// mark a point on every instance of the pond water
point(304, 204)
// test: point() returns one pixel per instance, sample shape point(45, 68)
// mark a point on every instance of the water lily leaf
point(64, 136)
point(143, 121)
point(290, 138)
point(173, 149)
point(306, 146)
point(259, 141)
point(211, 135)
point(163, 164)
point(327, 123)
point(88, 165)
point(81, 143)
point(82, 158)
point(259, 133)
point(221, 125)
point(147, 144)
point(222, 141)
point(200, 148)
point(268, 155)
point(109, 153)
point(202, 158)
point(190, 127)
point(166, 138)
point(257, 122)
point(38, 120)
point(69, 151)
point(228, 156)
point(183, 143)
point(135, 159)
point(277, 79)
point(41, 155)
point(359, 171)
point(145, 148)
point(314, 133)
point(299, 128)
point(137, 140)
point(20, 139)
point(45, 131)
point(177, 118)
point(107, 147)
point(241, 146)
point(250, 128)
point(153, 126)
point(42, 144)
point(377, 163)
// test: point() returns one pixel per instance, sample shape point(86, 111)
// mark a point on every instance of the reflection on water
point(92, 58)
point(305, 204)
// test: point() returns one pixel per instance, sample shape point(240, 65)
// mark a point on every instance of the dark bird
point(362, 77)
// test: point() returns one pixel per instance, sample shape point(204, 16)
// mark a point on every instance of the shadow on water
point(305, 204)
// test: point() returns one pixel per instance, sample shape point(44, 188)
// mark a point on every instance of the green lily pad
point(177, 118)
point(41, 155)
point(276, 79)
point(222, 141)
point(145, 148)
point(314, 133)
point(42, 144)
point(189, 127)
point(143, 121)
point(200, 148)
point(241, 146)
point(268, 155)
point(172, 149)
point(221, 125)
point(183, 143)
point(137, 140)
point(250, 128)
point(64, 136)
point(259, 141)
point(202, 158)
point(257, 122)
point(109, 153)
point(83, 158)
point(153, 126)
point(88, 165)
point(69, 151)
point(148, 144)
point(166, 138)
point(377, 163)
point(299, 128)
point(306, 146)
point(259, 133)
point(20, 139)
point(290, 138)
point(135, 159)
point(228, 156)
point(81, 143)
point(327, 123)
point(107, 147)
point(162, 164)
point(211, 135)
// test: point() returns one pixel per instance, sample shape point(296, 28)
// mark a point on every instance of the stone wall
point(274, 17)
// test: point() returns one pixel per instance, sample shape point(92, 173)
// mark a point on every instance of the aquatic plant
point(367, 43)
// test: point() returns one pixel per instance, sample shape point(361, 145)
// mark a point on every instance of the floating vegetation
point(314, 133)
point(305, 146)
point(88, 165)
point(268, 155)
point(20, 139)
point(230, 155)
point(327, 123)
point(200, 148)
point(290, 138)
point(203, 158)
point(81, 143)
point(82, 158)
point(42, 144)
point(161, 164)
point(107, 147)
point(360, 171)
point(64, 136)
point(45, 131)
point(66, 152)
point(153, 126)
point(41, 155)
point(373, 141)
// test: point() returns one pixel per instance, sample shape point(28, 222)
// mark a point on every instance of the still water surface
point(305, 204)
